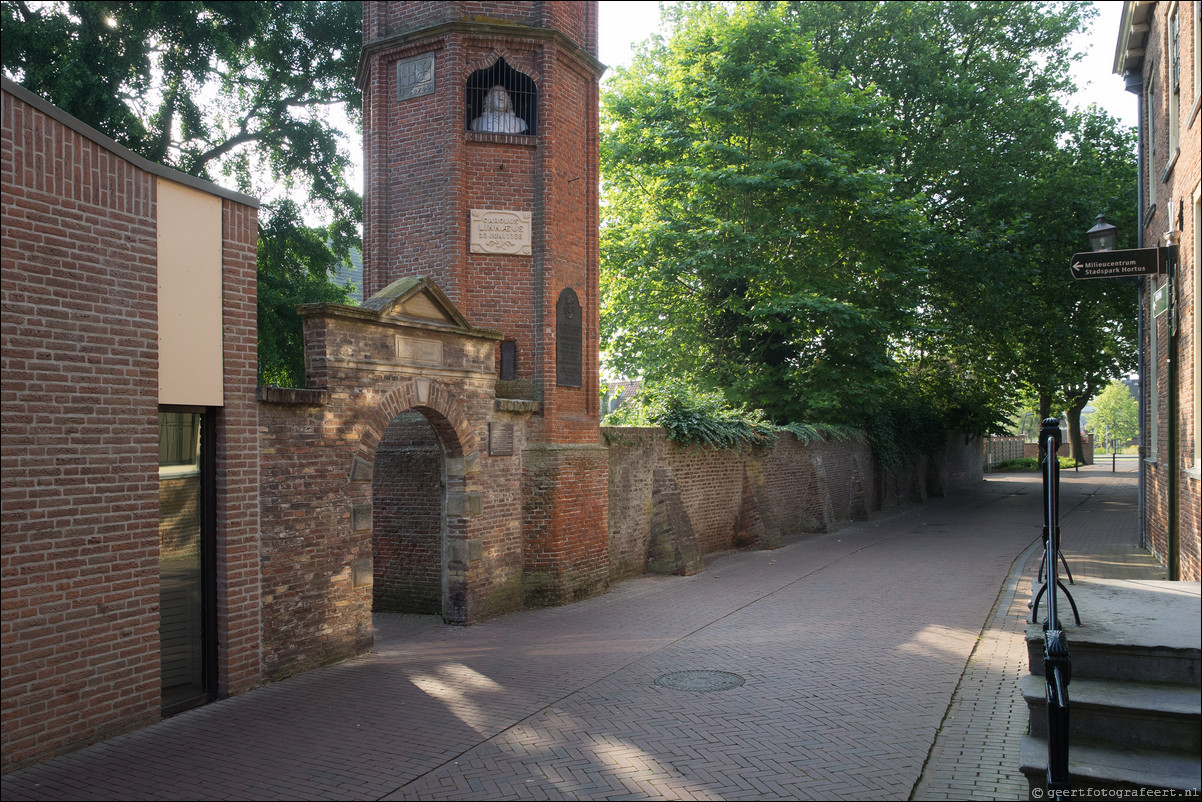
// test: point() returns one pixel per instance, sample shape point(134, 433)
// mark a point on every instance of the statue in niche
point(498, 116)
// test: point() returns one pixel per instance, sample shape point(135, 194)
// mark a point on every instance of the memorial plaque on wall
point(568, 339)
point(424, 352)
point(499, 231)
point(415, 77)
point(500, 439)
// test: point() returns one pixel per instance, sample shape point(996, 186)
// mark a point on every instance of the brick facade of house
point(1158, 52)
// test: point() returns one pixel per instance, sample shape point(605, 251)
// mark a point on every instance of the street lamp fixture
point(1102, 236)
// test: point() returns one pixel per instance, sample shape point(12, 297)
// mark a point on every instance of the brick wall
point(80, 496)
point(564, 494)
point(407, 507)
point(237, 450)
point(669, 506)
point(389, 455)
point(1172, 183)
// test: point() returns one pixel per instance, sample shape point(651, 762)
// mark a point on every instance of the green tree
point(1075, 336)
point(235, 92)
point(975, 93)
point(753, 239)
point(1115, 414)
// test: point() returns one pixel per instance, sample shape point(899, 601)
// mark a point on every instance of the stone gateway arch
point(447, 456)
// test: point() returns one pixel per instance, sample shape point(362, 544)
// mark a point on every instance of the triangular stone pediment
point(416, 299)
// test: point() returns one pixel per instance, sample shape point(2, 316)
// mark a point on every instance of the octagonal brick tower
point(481, 161)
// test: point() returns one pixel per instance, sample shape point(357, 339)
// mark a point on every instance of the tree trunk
point(1045, 407)
point(1074, 434)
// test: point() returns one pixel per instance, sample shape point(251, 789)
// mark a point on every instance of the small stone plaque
point(361, 572)
point(360, 517)
point(422, 352)
point(499, 231)
point(415, 77)
point(500, 439)
point(361, 469)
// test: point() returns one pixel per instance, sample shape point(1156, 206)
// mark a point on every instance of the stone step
point(1101, 767)
point(1140, 630)
point(1100, 659)
point(1139, 715)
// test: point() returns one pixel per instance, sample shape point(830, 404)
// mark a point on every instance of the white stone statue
point(498, 116)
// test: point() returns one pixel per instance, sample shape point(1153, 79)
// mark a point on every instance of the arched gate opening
point(410, 483)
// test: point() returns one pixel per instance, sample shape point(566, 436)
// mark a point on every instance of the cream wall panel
point(190, 347)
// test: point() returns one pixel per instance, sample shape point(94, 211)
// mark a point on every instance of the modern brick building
point(130, 495)
point(1159, 53)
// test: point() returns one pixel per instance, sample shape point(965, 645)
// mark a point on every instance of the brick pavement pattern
point(975, 754)
point(880, 662)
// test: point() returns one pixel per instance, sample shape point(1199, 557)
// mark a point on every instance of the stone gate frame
point(406, 348)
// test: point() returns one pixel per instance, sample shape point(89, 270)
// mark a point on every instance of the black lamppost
point(1102, 236)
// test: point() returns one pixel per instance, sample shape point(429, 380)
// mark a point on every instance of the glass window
point(179, 439)
point(185, 540)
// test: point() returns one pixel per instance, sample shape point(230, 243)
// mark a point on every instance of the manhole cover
point(700, 680)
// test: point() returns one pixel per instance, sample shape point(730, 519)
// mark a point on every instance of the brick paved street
point(878, 662)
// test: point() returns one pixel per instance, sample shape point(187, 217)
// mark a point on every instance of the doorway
point(187, 503)
point(409, 518)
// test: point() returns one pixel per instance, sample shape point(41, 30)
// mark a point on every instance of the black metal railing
point(1057, 666)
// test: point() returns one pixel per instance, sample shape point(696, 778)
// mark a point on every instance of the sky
point(624, 23)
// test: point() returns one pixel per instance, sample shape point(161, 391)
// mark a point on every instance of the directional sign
point(1116, 264)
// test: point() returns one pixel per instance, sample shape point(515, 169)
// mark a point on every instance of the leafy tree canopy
point(861, 212)
point(234, 92)
point(1115, 414)
point(753, 238)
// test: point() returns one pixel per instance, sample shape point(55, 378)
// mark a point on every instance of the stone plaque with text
point(500, 439)
point(499, 231)
point(415, 77)
point(422, 352)
point(568, 339)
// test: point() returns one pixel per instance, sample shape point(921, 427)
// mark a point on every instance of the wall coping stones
point(308, 396)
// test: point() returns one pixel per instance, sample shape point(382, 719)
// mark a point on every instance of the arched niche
point(481, 92)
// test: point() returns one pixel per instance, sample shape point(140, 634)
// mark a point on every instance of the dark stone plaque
point(500, 439)
point(509, 360)
point(568, 339)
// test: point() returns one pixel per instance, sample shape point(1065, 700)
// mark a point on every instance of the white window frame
point(1195, 469)
point(1150, 140)
point(1172, 80)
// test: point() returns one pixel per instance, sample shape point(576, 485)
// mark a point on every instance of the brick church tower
point(480, 148)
